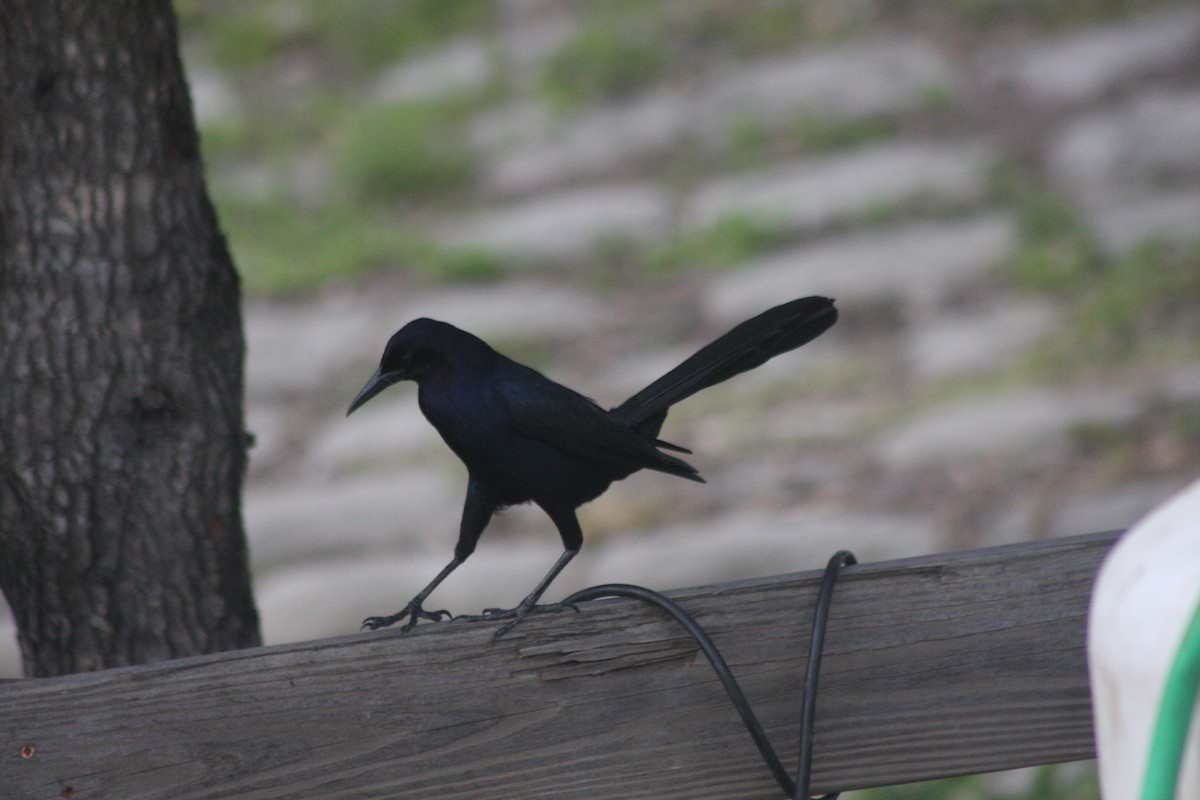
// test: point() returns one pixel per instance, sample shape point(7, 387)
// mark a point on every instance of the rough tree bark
point(122, 448)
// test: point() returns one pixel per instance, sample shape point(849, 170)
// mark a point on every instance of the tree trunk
point(122, 449)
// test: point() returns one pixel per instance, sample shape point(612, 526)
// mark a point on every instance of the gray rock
point(380, 513)
point(1004, 424)
point(979, 341)
point(269, 423)
point(460, 66)
point(622, 377)
point(748, 545)
point(293, 349)
point(1139, 144)
point(533, 30)
point(310, 600)
point(329, 597)
point(1011, 522)
point(515, 310)
point(864, 78)
point(1081, 65)
point(814, 420)
point(1113, 508)
point(811, 194)
point(1181, 384)
point(10, 651)
point(846, 82)
point(212, 96)
point(565, 226)
point(307, 600)
point(253, 182)
point(290, 348)
point(769, 405)
point(918, 263)
point(1119, 222)
point(388, 431)
point(493, 132)
point(598, 142)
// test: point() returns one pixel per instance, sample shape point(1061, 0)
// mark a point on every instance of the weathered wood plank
point(935, 666)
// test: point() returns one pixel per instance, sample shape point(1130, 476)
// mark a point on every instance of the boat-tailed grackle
point(525, 438)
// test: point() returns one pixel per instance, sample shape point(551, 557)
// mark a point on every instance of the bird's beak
point(378, 382)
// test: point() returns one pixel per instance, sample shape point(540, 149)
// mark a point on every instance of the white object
point(1146, 592)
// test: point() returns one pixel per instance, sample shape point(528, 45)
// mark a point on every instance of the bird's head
point(414, 352)
point(425, 348)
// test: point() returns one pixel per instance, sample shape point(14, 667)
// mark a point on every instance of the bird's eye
point(414, 360)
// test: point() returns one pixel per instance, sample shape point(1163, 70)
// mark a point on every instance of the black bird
point(525, 438)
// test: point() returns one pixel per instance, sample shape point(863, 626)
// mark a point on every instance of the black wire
point(816, 646)
point(714, 657)
point(796, 789)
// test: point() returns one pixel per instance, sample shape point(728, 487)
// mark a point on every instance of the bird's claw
point(514, 615)
point(413, 611)
point(493, 614)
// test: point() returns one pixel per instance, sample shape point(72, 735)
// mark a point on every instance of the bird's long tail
point(750, 344)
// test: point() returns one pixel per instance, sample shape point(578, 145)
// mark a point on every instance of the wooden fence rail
point(935, 666)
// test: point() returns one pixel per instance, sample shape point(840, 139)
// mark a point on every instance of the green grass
point(352, 34)
point(602, 62)
point(1046, 15)
point(817, 134)
point(937, 97)
point(623, 47)
point(1100, 439)
point(753, 143)
point(1139, 304)
point(281, 248)
point(1058, 253)
point(373, 33)
point(405, 151)
point(1148, 293)
point(746, 29)
point(728, 242)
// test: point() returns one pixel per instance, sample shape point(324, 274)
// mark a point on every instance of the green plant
point(937, 97)
point(242, 36)
point(749, 139)
point(281, 248)
point(405, 151)
point(462, 265)
point(371, 33)
point(1116, 305)
point(988, 13)
point(818, 134)
point(729, 241)
point(1150, 291)
point(602, 62)
point(1057, 252)
point(359, 34)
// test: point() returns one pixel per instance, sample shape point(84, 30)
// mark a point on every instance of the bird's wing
point(556, 415)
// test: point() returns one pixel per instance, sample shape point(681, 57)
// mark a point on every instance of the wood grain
point(935, 666)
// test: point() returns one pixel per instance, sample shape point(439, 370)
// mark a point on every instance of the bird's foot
point(515, 615)
point(413, 611)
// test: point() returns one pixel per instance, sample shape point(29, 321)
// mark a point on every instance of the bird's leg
point(530, 602)
point(477, 510)
point(413, 610)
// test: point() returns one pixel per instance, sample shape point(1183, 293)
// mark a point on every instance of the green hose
point(1174, 716)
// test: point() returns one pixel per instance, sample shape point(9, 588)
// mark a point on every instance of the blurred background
point(1003, 196)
